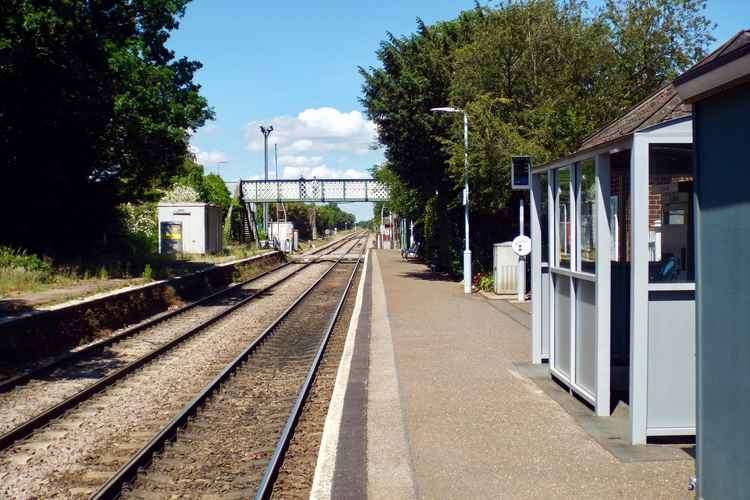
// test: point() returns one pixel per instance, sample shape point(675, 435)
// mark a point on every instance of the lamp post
point(382, 226)
point(266, 131)
point(467, 251)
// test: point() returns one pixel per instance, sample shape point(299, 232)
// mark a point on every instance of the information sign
point(521, 245)
point(520, 170)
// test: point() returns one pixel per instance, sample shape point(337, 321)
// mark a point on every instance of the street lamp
point(266, 131)
point(467, 251)
point(382, 226)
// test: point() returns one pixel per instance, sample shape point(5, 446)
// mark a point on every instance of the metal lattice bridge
point(313, 190)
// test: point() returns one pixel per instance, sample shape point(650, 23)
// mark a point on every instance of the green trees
point(415, 76)
point(94, 112)
point(328, 216)
point(535, 77)
point(216, 192)
point(210, 187)
point(653, 40)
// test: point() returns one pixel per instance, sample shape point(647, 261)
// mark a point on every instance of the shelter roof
point(662, 106)
point(734, 48)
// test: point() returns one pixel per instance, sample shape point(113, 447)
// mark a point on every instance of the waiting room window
point(670, 218)
point(587, 228)
point(543, 215)
point(564, 218)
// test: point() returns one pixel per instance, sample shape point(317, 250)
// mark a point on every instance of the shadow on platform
point(428, 275)
point(611, 433)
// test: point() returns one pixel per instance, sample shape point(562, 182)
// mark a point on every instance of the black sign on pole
point(520, 171)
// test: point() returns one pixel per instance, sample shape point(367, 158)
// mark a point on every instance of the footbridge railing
point(313, 190)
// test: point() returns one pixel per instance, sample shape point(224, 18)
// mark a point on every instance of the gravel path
point(74, 455)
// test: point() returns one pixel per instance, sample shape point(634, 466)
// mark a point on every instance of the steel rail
point(269, 478)
point(55, 411)
point(10, 383)
point(113, 487)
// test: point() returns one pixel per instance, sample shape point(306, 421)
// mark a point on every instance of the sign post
point(520, 171)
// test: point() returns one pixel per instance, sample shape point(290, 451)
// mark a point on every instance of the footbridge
point(254, 192)
point(313, 190)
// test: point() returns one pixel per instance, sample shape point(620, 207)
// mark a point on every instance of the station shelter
point(719, 89)
point(613, 281)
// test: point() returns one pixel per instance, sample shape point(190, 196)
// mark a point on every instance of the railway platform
point(431, 401)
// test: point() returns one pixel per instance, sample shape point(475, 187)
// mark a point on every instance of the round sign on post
point(521, 245)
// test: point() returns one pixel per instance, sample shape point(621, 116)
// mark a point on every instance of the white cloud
point(300, 161)
point(296, 166)
point(322, 171)
point(208, 157)
point(316, 130)
point(209, 128)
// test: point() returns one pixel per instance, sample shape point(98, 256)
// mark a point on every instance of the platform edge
point(322, 487)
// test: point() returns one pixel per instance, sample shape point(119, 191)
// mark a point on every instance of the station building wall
point(723, 293)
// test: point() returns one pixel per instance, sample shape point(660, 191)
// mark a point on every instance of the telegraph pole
point(220, 164)
point(276, 161)
point(266, 131)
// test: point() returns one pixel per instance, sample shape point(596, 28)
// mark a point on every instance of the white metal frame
point(600, 397)
point(603, 286)
point(677, 131)
point(535, 206)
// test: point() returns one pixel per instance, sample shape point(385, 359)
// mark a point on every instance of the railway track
point(86, 368)
point(29, 401)
point(6, 384)
point(229, 441)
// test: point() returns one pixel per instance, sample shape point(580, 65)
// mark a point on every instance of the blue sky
point(294, 64)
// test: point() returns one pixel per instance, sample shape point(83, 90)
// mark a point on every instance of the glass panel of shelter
point(564, 215)
point(586, 229)
point(671, 252)
point(543, 216)
point(562, 238)
point(573, 239)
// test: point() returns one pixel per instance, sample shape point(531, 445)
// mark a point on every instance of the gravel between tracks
point(224, 450)
point(74, 455)
point(38, 394)
point(51, 388)
point(296, 475)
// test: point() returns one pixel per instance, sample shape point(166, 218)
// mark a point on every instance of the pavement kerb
point(389, 465)
point(322, 486)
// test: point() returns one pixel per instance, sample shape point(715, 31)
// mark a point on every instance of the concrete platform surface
point(450, 415)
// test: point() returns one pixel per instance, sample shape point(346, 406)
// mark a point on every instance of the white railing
point(314, 190)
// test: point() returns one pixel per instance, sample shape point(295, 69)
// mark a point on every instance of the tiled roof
point(735, 47)
point(662, 106)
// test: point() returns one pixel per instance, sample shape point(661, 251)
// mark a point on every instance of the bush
point(139, 237)
point(148, 273)
point(140, 218)
point(216, 192)
point(181, 194)
point(484, 282)
point(21, 270)
point(19, 259)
